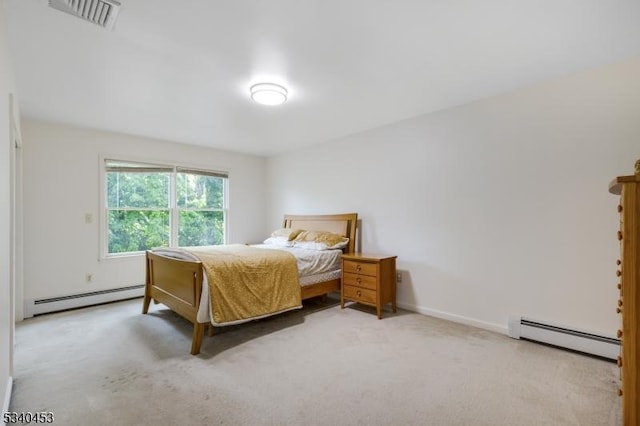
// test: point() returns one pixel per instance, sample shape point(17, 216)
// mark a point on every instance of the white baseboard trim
point(455, 318)
point(564, 337)
point(54, 304)
point(7, 395)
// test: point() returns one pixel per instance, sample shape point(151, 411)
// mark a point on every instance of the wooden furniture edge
point(365, 256)
point(630, 296)
point(628, 188)
point(615, 186)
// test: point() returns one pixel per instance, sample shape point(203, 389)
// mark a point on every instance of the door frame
point(16, 226)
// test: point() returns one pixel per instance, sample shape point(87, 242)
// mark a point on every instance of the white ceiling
point(180, 70)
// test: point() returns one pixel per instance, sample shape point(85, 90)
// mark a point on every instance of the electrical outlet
point(88, 218)
point(89, 278)
point(398, 276)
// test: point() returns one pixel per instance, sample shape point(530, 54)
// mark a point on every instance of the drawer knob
point(619, 302)
point(619, 235)
point(619, 334)
point(619, 361)
point(619, 208)
point(358, 267)
point(619, 392)
point(619, 286)
point(618, 272)
point(618, 310)
point(358, 280)
point(618, 262)
point(359, 293)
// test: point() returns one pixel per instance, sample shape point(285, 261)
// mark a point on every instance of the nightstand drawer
point(360, 268)
point(359, 294)
point(358, 280)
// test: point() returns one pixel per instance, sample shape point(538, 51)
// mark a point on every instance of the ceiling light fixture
point(268, 93)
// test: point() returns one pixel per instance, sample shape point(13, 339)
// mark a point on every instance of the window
point(151, 206)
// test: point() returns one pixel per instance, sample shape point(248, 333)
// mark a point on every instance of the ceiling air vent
point(99, 12)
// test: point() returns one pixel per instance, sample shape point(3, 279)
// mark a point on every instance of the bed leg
point(147, 284)
point(146, 302)
point(210, 330)
point(198, 334)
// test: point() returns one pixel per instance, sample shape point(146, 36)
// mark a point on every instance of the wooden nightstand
point(369, 279)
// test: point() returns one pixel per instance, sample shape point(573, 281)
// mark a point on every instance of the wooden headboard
point(343, 224)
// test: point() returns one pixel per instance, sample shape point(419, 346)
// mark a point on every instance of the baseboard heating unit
point(34, 307)
point(537, 331)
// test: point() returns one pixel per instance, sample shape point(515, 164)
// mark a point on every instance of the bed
point(179, 281)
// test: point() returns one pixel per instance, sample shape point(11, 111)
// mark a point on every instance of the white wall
point(494, 208)
point(6, 320)
point(61, 185)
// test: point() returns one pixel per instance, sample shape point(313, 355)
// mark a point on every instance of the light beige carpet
point(110, 365)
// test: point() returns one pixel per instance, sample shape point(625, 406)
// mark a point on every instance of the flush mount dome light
point(268, 93)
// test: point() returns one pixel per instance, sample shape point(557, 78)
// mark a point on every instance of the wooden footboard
point(177, 284)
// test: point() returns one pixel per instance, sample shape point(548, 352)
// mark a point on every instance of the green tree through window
point(158, 206)
point(201, 209)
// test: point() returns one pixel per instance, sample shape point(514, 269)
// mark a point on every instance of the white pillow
point(278, 241)
point(290, 233)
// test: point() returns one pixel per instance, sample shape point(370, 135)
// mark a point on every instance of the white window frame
point(173, 205)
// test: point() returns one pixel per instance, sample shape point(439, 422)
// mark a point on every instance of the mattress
point(314, 266)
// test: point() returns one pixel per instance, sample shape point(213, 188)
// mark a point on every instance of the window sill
point(122, 257)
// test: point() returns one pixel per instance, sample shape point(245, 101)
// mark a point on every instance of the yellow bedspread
point(248, 282)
